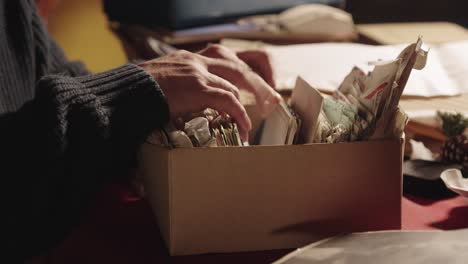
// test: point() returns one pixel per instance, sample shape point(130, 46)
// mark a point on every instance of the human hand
point(210, 79)
point(257, 70)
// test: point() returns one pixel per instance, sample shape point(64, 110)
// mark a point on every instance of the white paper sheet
point(324, 65)
point(454, 58)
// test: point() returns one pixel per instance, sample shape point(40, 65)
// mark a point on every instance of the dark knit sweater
point(64, 133)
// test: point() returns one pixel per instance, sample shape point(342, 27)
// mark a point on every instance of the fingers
point(218, 82)
point(257, 60)
point(267, 98)
point(192, 82)
point(224, 101)
point(225, 63)
point(224, 97)
point(260, 63)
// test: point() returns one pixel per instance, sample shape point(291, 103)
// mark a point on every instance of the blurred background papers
point(429, 116)
point(324, 65)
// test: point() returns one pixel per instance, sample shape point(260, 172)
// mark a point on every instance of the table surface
point(122, 229)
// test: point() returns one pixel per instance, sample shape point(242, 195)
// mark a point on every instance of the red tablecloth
point(122, 229)
point(445, 214)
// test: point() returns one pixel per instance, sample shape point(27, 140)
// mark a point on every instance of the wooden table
point(122, 229)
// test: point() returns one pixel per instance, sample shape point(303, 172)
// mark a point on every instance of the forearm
point(59, 149)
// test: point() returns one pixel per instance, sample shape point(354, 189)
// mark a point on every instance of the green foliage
point(453, 124)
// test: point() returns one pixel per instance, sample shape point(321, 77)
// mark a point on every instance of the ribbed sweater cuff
point(134, 102)
point(125, 103)
point(127, 80)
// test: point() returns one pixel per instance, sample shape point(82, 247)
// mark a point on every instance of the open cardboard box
point(231, 199)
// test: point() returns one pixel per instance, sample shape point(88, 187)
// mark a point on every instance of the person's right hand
point(192, 82)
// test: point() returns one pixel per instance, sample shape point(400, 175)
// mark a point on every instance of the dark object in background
point(140, 12)
point(422, 178)
point(380, 11)
point(178, 14)
point(456, 150)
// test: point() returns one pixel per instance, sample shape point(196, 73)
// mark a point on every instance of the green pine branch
point(453, 124)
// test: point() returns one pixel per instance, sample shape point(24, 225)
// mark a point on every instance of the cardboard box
point(231, 199)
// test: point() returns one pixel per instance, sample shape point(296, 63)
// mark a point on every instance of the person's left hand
point(257, 68)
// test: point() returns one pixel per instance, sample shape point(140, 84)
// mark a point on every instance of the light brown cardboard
point(231, 199)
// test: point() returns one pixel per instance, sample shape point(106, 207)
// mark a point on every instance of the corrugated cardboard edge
point(162, 184)
point(170, 241)
point(402, 147)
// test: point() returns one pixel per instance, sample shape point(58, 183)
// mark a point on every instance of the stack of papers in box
point(282, 126)
point(364, 107)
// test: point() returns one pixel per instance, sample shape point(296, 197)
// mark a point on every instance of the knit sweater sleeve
point(64, 133)
point(59, 149)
